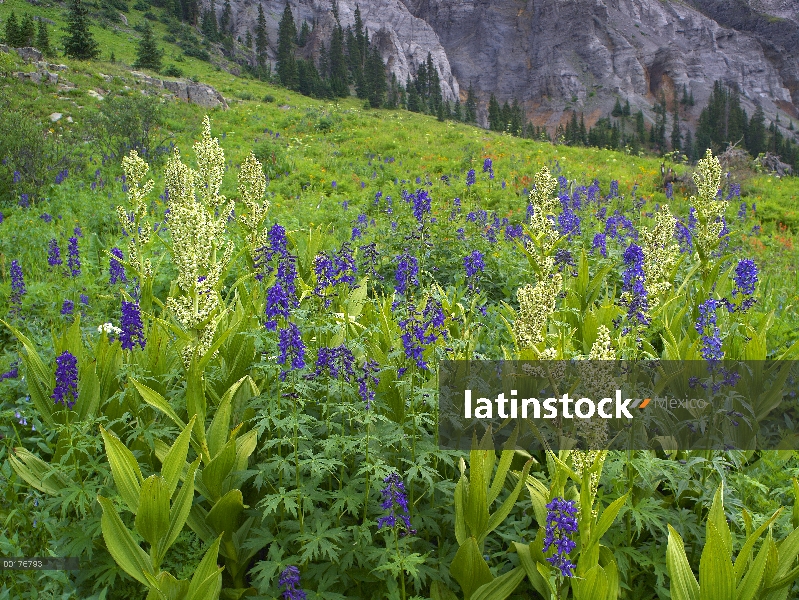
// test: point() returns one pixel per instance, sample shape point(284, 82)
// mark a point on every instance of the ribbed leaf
point(503, 511)
point(439, 591)
point(156, 400)
point(752, 582)
point(37, 473)
point(167, 586)
point(531, 569)
point(175, 460)
point(125, 469)
point(502, 587)
point(223, 518)
point(716, 574)
point(179, 511)
point(152, 518)
point(505, 459)
point(245, 446)
point(683, 583)
point(717, 518)
point(477, 500)
point(592, 586)
point(218, 469)
point(207, 580)
point(461, 490)
point(742, 559)
point(469, 568)
point(123, 548)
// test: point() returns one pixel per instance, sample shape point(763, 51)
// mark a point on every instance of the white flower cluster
point(661, 253)
point(252, 185)
point(544, 206)
point(709, 209)
point(135, 169)
point(199, 247)
point(109, 328)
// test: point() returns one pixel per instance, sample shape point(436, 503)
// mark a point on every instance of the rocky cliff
point(562, 55)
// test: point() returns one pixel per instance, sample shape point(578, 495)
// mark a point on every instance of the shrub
point(172, 71)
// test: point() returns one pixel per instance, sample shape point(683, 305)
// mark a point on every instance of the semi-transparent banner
point(617, 405)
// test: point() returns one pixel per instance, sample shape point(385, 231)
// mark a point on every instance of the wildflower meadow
point(221, 375)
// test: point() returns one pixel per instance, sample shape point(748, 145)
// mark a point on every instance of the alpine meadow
point(248, 250)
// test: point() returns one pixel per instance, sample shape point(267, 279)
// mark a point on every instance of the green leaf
point(531, 569)
point(469, 568)
point(125, 469)
point(439, 591)
point(245, 446)
point(207, 580)
point(220, 426)
point(123, 548)
point(503, 511)
point(175, 460)
point(476, 513)
point(752, 582)
point(156, 400)
point(461, 491)
point(593, 585)
point(215, 473)
point(717, 518)
point(505, 459)
point(683, 583)
point(37, 473)
point(716, 574)
point(502, 587)
point(179, 511)
point(224, 518)
point(152, 518)
point(607, 519)
point(169, 587)
point(742, 559)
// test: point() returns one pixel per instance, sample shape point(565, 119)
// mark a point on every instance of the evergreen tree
point(414, 102)
point(79, 42)
point(324, 62)
point(626, 109)
point(356, 62)
point(470, 110)
point(688, 146)
point(43, 39)
point(376, 78)
point(210, 27)
point(684, 99)
point(617, 109)
point(457, 111)
point(226, 20)
point(360, 35)
point(640, 128)
point(339, 84)
point(756, 138)
point(248, 39)
point(494, 114)
point(12, 31)
point(393, 96)
point(433, 85)
point(582, 136)
point(27, 31)
point(148, 55)
point(676, 136)
point(261, 41)
point(286, 62)
point(305, 33)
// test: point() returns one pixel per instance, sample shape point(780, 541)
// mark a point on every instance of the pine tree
point(617, 109)
point(148, 55)
point(12, 30)
point(626, 109)
point(494, 114)
point(376, 78)
point(676, 136)
point(414, 102)
point(248, 39)
point(688, 146)
point(305, 33)
point(470, 110)
point(43, 39)
point(210, 26)
point(640, 128)
point(80, 42)
point(27, 31)
point(226, 20)
point(435, 98)
point(582, 137)
point(286, 62)
point(756, 138)
point(339, 85)
point(457, 111)
point(261, 41)
point(684, 99)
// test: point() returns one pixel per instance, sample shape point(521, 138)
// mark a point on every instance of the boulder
point(55, 117)
point(205, 96)
point(29, 54)
point(179, 88)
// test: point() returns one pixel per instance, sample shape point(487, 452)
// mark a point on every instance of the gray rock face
point(562, 55)
point(196, 93)
point(29, 54)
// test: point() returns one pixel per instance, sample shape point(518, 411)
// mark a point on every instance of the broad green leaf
point(502, 587)
point(461, 491)
point(742, 560)
point(207, 580)
point(469, 568)
point(156, 400)
point(788, 551)
point(220, 425)
point(477, 499)
point(224, 519)
point(607, 519)
point(167, 586)
point(716, 574)
point(592, 586)
point(215, 473)
point(531, 569)
point(37, 473)
point(152, 518)
point(245, 446)
point(175, 460)
point(496, 519)
point(123, 548)
point(752, 583)
point(683, 583)
point(439, 591)
point(125, 469)
point(505, 459)
point(179, 511)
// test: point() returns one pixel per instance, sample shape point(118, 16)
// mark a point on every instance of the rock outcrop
point(562, 55)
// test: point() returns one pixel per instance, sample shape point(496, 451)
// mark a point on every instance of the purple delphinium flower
point(16, 177)
point(132, 327)
point(563, 259)
point(12, 373)
point(669, 191)
point(745, 277)
point(67, 308)
point(62, 175)
point(684, 237)
point(706, 326)
point(370, 257)
point(66, 378)
point(290, 344)
point(569, 223)
point(620, 227)
point(290, 581)
point(24, 200)
point(421, 330)
point(560, 526)
point(334, 184)
point(600, 242)
point(474, 265)
point(53, 253)
point(407, 272)
point(488, 167)
point(278, 245)
point(470, 177)
point(368, 370)
point(73, 257)
point(394, 496)
point(116, 270)
point(84, 299)
point(633, 280)
point(1, 217)
point(614, 189)
point(742, 211)
point(17, 284)
point(47, 218)
point(333, 269)
point(421, 204)
point(335, 361)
